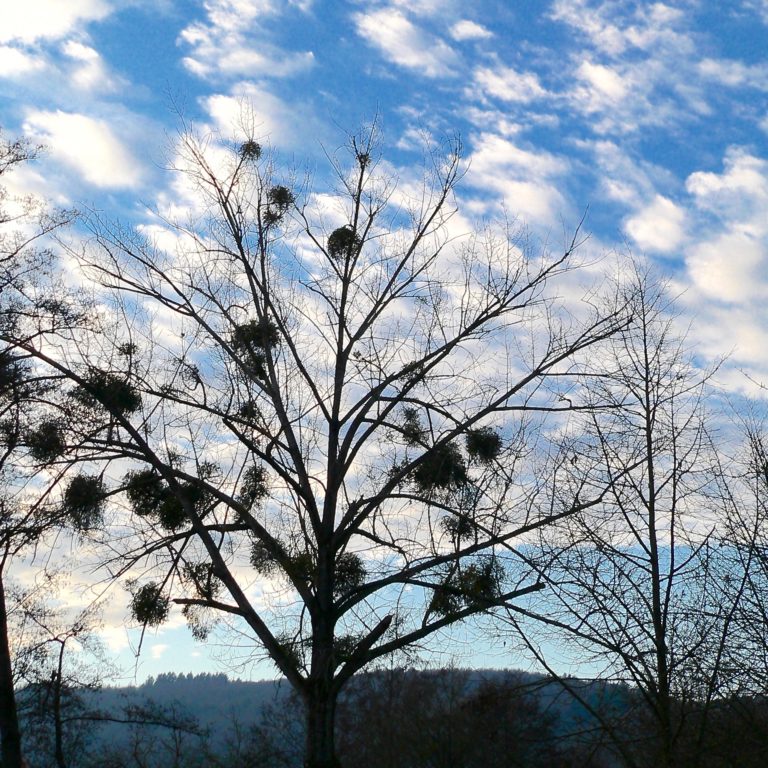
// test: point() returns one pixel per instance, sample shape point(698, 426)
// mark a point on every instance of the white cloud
point(636, 65)
point(493, 120)
point(158, 649)
point(729, 267)
point(728, 261)
point(734, 74)
point(435, 8)
point(88, 71)
point(87, 145)
point(233, 42)
point(739, 194)
point(605, 87)
point(759, 6)
point(255, 109)
point(524, 180)
point(614, 27)
point(622, 178)
point(658, 226)
point(80, 52)
point(33, 20)
point(497, 153)
point(14, 62)
point(469, 30)
point(405, 44)
point(508, 84)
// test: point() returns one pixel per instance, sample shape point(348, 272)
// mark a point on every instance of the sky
point(650, 117)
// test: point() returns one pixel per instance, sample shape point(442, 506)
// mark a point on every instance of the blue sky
point(654, 116)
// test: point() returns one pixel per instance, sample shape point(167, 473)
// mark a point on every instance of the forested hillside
point(438, 718)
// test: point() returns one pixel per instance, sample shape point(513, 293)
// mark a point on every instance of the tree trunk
point(59, 728)
point(10, 735)
point(321, 725)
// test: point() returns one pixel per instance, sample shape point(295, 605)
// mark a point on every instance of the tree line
point(397, 428)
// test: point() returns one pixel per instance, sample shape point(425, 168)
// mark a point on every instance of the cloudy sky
point(653, 116)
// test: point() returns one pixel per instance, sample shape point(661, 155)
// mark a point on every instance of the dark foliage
point(483, 444)
point(11, 373)
point(262, 559)
point(301, 566)
point(447, 718)
point(110, 391)
point(255, 334)
point(442, 467)
point(279, 200)
point(201, 576)
point(350, 573)
point(253, 486)
point(84, 501)
point(474, 585)
point(343, 242)
point(149, 606)
point(151, 497)
point(46, 442)
point(251, 340)
point(250, 150)
point(458, 527)
point(412, 429)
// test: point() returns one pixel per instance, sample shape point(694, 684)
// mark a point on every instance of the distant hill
point(260, 724)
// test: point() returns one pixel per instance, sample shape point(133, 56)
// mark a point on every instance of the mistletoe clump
point(110, 391)
point(477, 585)
point(480, 583)
point(84, 500)
point(11, 373)
point(253, 487)
point(250, 150)
point(262, 559)
point(445, 601)
point(350, 573)
point(412, 429)
point(291, 648)
point(249, 411)
point(46, 442)
point(344, 647)
point(200, 576)
point(442, 467)
point(301, 566)
point(279, 200)
point(149, 606)
point(343, 242)
point(199, 621)
point(251, 341)
point(255, 334)
point(458, 526)
point(150, 496)
point(483, 444)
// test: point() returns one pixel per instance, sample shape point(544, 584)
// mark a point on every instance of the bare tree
point(743, 577)
point(332, 401)
point(635, 579)
point(26, 446)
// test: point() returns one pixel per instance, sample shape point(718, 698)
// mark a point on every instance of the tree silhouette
point(29, 439)
point(335, 399)
point(640, 581)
